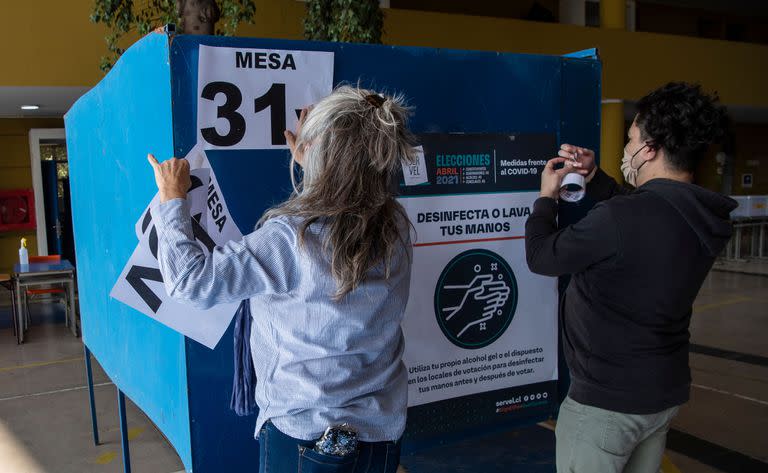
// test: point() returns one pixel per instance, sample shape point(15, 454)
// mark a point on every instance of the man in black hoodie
point(637, 260)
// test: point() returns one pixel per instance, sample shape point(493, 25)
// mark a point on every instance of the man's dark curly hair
point(683, 120)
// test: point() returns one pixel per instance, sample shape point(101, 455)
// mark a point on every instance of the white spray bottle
point(23, 253)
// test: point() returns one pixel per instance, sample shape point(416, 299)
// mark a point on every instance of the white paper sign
point(248, 97)
point(416, 173)
point(140, 284)
point(477, 319)
point(197, 196)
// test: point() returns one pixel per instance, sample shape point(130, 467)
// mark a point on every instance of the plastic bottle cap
point(23, 242)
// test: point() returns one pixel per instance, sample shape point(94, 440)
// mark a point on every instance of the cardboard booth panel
point(150, 102)
point(109, 132)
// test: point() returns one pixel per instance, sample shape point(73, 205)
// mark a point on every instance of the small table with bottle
point(43, 274)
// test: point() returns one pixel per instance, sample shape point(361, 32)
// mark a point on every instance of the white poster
point(477, 319)
point(416, 174)
point(248, 97)
point(140, 284)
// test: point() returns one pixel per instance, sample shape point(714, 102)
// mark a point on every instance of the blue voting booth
point(147, 102)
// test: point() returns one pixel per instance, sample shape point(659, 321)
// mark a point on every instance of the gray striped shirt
point(318, 362)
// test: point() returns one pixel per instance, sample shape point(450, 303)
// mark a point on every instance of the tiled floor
point(45, 426)
point(754, 266)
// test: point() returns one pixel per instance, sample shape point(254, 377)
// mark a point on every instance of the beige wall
point(54, 44)
point(15, 173)
point(750, 149)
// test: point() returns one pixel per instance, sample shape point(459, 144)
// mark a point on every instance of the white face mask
point(630, 173)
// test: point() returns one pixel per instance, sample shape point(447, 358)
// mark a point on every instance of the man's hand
point(172, 177)
point(552, 179)
point(582, 157)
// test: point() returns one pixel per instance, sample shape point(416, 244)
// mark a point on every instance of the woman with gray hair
point(328, 274)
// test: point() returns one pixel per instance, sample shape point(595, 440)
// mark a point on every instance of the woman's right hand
point(172, 177)
point(584, 157)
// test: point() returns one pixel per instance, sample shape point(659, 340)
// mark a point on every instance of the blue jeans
point(279, 453)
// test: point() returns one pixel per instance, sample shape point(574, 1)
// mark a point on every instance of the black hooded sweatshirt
point(638, 261)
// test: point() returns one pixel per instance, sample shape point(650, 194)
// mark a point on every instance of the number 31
point(274, 99)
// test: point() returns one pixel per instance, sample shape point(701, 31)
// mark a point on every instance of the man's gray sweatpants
point(594, 440)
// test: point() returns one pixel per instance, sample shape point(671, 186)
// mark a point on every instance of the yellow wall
point(53, 43)
point(634, 63)
point(15, 173)
point(750, 148)
point(749, 157)
point(56, 45)
point(50, 43)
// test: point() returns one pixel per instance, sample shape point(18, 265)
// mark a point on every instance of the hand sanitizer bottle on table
point(24, 254)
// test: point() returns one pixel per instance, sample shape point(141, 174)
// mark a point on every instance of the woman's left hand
point(290, 137)
point(172, 177)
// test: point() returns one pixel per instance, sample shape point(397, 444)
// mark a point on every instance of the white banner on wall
point(477, 319)
point(140, 284)
point(247, 97)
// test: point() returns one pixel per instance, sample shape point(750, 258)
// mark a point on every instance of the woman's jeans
point(279, 453)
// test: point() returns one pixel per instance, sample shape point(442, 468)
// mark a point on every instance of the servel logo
point(475, 298)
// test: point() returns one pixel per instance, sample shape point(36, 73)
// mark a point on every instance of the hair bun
point(376, 100)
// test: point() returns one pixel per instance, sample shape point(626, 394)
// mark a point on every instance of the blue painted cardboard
point(109, 131)
point(148, 103)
